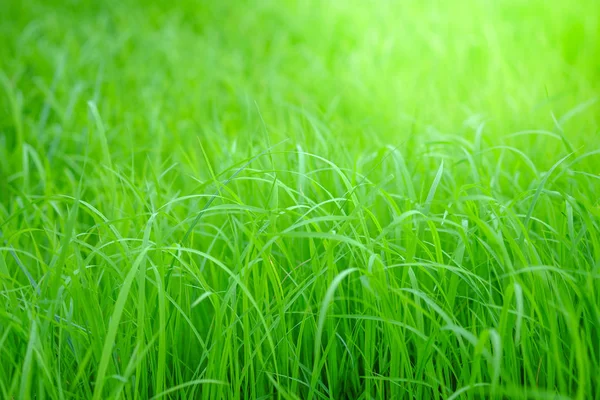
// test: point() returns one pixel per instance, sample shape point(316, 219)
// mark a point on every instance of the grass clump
point(299, 200)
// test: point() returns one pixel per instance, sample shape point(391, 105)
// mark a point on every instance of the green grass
point(300, 199)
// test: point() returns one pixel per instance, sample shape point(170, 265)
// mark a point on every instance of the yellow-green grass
point(300, 199)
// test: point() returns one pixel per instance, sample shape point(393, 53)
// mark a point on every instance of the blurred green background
point(368, 71)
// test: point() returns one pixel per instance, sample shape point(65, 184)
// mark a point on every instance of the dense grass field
point(300, 199)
